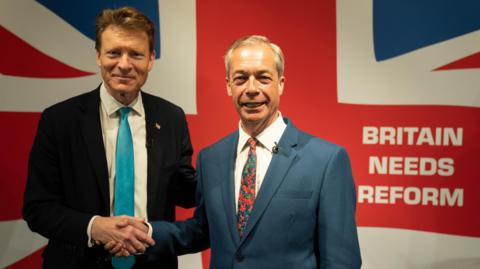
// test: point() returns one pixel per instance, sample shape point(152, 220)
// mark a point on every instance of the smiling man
point(125, 57)
point(270, 195)
point(109, 155)
point(255, 83)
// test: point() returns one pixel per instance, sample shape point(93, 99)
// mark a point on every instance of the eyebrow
point(259, 72)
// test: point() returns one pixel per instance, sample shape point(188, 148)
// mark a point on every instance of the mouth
point(252, 104)
point(126, 77)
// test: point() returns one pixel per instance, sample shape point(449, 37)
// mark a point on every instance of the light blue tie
point(124, 179)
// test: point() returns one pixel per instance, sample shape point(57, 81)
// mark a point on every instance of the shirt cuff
point(91, 242)
point(150, 231)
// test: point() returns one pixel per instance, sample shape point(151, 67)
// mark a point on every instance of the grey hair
point(254, 40)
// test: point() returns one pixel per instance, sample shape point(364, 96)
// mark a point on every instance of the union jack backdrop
point(395, 82)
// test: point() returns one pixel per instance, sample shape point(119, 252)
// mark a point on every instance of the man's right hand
point(129, 234)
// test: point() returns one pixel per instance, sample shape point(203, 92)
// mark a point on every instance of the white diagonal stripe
point(404, 80)
point(17, 242)
point(48, 33)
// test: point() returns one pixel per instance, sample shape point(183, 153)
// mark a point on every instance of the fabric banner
point(394, 82)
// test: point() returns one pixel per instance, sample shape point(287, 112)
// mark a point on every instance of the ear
point(151, 60)
point(229, 89)
point(281, 82)
point(98, 58)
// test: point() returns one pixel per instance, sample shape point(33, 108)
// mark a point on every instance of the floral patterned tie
point(247, 188)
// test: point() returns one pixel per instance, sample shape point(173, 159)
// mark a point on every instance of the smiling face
point(255, 86)
point(124, 59)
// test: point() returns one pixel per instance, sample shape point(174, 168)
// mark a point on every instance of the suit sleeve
point(186, 183)
point(182, 237)
point(337, 232)
point(44, 199)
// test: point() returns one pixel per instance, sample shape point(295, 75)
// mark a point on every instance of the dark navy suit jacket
point(68, 177)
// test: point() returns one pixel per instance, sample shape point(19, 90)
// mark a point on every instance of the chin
point(124, 89)
point(253, 120)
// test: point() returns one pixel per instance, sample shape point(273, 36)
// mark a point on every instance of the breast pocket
point(294, 194)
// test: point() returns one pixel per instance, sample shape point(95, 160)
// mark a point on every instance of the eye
point(264, 79)
point(238, 80)
point(113, 54)
point(137, 55)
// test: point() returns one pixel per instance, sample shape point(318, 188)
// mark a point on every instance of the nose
point(251, 88)
point(124, 62)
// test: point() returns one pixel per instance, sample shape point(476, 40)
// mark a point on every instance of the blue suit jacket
point(303, 215)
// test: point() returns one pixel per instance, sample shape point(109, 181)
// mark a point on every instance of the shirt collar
point(267, 138)
point(111, 105)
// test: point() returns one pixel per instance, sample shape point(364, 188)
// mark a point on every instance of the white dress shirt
point(266, 142)
point(110, 120)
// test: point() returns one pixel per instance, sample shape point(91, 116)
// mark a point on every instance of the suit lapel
point(92, 133)
point(155, 135)
point(278, 168)
point(228, 187)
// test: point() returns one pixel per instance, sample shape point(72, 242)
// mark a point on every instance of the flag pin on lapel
point(157, 125)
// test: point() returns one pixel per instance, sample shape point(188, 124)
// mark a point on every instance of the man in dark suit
point(73, 190)
point(270, 195)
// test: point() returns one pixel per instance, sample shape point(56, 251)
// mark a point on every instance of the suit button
point(239, 257)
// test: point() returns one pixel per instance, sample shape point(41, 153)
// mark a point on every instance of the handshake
point(121, 235)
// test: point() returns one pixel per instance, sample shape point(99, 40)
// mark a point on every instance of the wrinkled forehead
point(253, 58)
point(115, 36)
point(254, 49)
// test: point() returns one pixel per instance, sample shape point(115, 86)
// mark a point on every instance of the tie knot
point(252, 142)
point(124, 111)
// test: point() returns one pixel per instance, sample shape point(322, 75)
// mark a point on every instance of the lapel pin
point(157, 125)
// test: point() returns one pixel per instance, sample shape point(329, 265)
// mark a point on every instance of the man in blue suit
point(270, 195)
